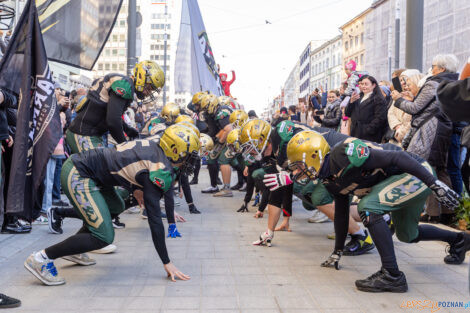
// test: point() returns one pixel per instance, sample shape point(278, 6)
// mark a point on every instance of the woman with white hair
point(431, 130)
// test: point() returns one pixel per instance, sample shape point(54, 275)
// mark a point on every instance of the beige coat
point(397, 117)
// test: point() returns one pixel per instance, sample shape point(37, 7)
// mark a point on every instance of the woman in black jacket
point(332, 116)
point(367, 111)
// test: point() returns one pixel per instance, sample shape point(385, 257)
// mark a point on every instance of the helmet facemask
point(189, 163)
point(250, 148)
point(303, 174)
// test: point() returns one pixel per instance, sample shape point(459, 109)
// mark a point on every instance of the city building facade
point(291, 87)
point(353, 40)
point(327, 65)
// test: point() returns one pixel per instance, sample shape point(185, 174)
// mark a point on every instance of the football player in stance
point(385, 181)
point(148, 167)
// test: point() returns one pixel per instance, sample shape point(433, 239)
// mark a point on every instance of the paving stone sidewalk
point(228, 274)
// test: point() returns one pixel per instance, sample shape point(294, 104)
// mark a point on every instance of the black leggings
point(184, 182)
point(197, 168)
point(83, 241)
point(282, 198)
point(250, 181)
point(169, 197)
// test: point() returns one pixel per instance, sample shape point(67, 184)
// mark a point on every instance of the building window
point(346, 46)
point(362, 59)
point(100, 66)
point(107, 52)
point(362, 38)
point(121, 66)
point(356, 60)
point(122, 38)
point(115, 37)
point(114, 66)
point(107, 67)
point(351, 43)
point(122, 23)
point(115, 52)
point(122, 52)
point(357, 40)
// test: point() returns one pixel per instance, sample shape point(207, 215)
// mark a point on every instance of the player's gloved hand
point(275, 181)
point(333, 259)
point(173, 232)
point(132, 132)
point(445, 195)
point(243, 208)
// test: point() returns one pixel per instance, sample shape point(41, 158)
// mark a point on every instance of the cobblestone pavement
point(228, 274)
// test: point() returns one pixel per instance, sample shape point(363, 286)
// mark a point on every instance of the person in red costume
point(226, 84)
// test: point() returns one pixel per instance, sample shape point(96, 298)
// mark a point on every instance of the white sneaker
point(80, 259)
point(108, 249)
point(133, 210)
point(45, 271)
point(318, 217)
point(41, 220)
point(223, 193)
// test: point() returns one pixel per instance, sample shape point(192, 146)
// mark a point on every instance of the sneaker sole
point(374, 290)
point(78, 262)
point(10, 306)
point(222, 196)
point(49, 219)
point(118, 227)
point(359, 252)
point(45, 282)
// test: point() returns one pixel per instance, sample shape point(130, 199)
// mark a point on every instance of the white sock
point(41, 256)
point(360, 232)
point(386, 217)
point(270, 233)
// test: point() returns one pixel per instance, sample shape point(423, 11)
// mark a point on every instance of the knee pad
point(369, 219)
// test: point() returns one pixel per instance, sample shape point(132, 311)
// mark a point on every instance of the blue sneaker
point(173, 231)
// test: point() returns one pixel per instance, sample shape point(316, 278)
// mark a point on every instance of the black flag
point(38, 128)
point(75, 31)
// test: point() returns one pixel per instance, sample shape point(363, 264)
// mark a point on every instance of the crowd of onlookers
point(408, 114)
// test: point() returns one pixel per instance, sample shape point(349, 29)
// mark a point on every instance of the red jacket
point(226, 84)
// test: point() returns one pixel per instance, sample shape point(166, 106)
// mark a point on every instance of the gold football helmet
point(170, 112)
point(238, 118)
point(254, 137)
point(233, 140)
point(305, 153)
point(190, 126)
point(207, 144)
point(178, 143)
point(148, 75)
point(185, 118)
point(209, 101)
point(198, 96)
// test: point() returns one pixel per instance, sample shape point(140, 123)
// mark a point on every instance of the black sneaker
point(358, 245)
point(193, 209)
point(236, 187)
point(117, 223)
point(54, 221)
point(8, 303)
point(456, 251)
point(383, 281)
point(243, 189)
point(193, 181)
point(15, 228)
point(219, 182)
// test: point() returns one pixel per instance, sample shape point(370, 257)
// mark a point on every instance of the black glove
point(243, 208)
point(333, 259)
point(445, 195)
point(132, 132)
point(318, 119)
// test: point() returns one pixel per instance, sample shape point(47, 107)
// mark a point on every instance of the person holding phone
point(367, 110)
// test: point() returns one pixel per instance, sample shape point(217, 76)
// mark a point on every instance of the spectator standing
point(399, 122)
point(332, 116)
point(293, 114)
point(431, 130)
point(367, 110)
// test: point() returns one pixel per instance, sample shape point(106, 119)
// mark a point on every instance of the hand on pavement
point(174, 272)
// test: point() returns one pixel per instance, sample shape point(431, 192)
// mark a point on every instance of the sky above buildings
point(263, 39)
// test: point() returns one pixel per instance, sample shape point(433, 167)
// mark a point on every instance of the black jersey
point(354, 166)
point(121, 165)
point(101, 111)
point(217, 121)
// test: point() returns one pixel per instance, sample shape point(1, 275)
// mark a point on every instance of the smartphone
point(396, 84)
